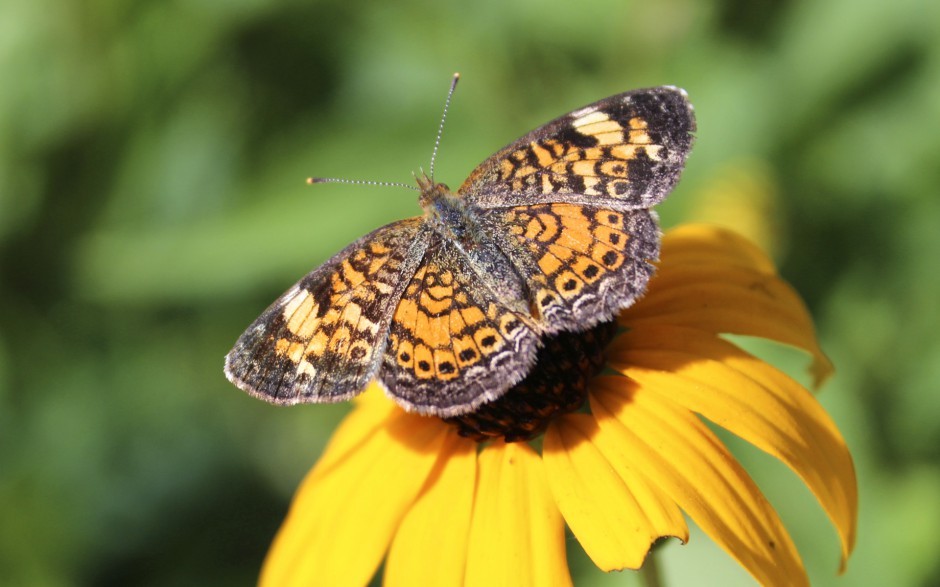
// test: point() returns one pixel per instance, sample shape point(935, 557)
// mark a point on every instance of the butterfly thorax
point(448, 214)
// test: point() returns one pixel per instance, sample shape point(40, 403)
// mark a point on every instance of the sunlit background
point(152, 203)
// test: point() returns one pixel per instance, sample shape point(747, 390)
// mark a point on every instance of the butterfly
point(553, 233)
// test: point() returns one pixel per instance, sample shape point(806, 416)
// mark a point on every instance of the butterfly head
point(447, 213)
point(431, 193)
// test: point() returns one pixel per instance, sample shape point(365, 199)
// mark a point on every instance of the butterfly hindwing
point(582, 264)
point(453, 343)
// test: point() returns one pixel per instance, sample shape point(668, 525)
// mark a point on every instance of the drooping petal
point(687, 461)
point(752, 399)
point(613, 512)
point(517, 535)
point(697, 244)
point(430, 547)
point(714, 280)
point(348, 507)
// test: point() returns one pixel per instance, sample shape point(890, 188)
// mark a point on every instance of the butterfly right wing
point(623, 152)
point(322, 341)
point(581, 264)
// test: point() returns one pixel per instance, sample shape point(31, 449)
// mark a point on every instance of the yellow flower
point(442, 509)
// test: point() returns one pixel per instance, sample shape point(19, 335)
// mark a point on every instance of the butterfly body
point(450, 216)
point(552, 233)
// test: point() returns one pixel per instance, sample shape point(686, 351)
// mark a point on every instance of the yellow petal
point(684, 459)
point(753, 400)
point(717, 289)
point(517, 536)
point(373, 394)
point(430, 547)
point(373, 411)
point(347, 509)
point(612, 511)
point(694, 244)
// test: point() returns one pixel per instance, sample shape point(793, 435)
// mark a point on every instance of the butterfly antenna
point(313, 180)
point(440, 129)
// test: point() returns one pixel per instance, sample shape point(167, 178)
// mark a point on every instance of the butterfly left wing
point(623, 152)
point(322, 340)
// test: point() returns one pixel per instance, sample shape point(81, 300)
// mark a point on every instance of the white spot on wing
point(583, 111)
point(293, 300)
point(304, 367)
point(589, 117)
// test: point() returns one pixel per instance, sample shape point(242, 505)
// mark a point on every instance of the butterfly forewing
point(322, 340)
point(623, 152)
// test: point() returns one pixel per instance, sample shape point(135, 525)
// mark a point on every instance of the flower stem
point(649, 572)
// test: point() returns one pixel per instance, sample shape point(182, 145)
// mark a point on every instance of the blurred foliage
point(152, 158)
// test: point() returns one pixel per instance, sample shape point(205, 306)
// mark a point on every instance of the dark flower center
point(556, 385)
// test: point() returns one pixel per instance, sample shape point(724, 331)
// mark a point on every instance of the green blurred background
point(152, 203)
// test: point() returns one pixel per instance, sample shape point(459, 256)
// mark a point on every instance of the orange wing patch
point(436, 333)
